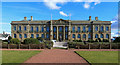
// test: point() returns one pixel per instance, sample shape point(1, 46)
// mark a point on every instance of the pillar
point(57, 33)
point(64, 33)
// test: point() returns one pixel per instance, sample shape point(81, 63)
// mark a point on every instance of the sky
point(16, 11)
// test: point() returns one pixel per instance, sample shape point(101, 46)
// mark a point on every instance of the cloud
point(87, 5)
point(62, 13)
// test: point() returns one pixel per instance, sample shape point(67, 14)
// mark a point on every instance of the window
point(32, 36)
point(101, 29)
point(37, 29)
point(66, 29)
point(66, 36)
point(42, 35)
point(73, 29)
point(84, 29)
point(25, 35)
point(89, 36)
point(42, 29)
point(37, 35)
point(20, 36)
point(78, 29)
point(73, 35)
point(78, 35)
point(54, 29)
point(47, 36)
point(14, 28)
point(32, 28)
point(96, 36)
point(107, 28)
point(60, 29)
point(47, 29)
point(54, 36)
point(25, 28)
point(84, 35)
point(15, 36)
point(20, 28)
point(101, 35)
point(89, 29)
point(96, 28)
point(107, 35)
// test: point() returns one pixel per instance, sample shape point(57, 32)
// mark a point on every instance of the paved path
point(56, 56)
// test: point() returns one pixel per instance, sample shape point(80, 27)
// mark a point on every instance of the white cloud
point(87, 5)
point(112, 33)
point(62, 13)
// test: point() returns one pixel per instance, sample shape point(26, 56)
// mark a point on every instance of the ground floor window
point(37, 35)
point(73, 36)
point(25, 35)
point(15, 36)
point(32, 36)
point(84, 35)
point(78, 35)
point(42, 35)
point(107, 35)
point(20, 36)
point(96, 35)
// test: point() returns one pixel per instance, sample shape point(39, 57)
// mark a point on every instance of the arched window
point(37, 29)
point(66, 36)
point(37, 35)
point(96, 28)
point(15, 36)
point(78, 29)
point(20, 36)
point(107, 28)
point(101, 35)
point(54, 29)
point(96, 36)
point(20, 28)
point(73, 35)
point(107, 35)
point(48, 29)
point(73, 29)
point(84, 35)
point(32, 36)
point(25, 28)
point(25, 35)
point(84, 28)
point(89, 36)
point(54, 36)
point(78, 35)
point(32, 28)
point(101, 29)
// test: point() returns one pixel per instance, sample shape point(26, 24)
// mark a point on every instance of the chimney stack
point(31, 18)
point(96, 18)
point(25, 18)
point(89, 18)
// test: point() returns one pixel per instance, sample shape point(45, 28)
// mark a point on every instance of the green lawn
point(99, 56)
point(16, 56)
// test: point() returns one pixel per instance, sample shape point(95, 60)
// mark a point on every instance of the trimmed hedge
point(14, 41)
point(31, 41)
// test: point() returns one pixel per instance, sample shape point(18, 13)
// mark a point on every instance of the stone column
point(57, 33)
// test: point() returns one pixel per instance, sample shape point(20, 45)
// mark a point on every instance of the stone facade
point(62, 30)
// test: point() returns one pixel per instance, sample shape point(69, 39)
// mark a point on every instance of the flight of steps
point(60, 44)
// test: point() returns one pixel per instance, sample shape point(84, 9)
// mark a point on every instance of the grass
point(16, 57)
point(99, 56)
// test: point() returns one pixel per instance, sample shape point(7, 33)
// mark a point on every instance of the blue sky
point(16, 11)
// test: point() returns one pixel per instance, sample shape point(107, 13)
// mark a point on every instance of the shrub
point(105, 40)
point(90, 40)
point(14, 41)
point(9, 38)
point(117, 39)
point(31, 41)
point(96, 40)
point(99, 40)
point(40, 39)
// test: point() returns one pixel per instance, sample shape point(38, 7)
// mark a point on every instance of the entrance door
point(60, 33)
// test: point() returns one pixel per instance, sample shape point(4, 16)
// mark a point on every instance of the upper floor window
point(101, 35)
point(25, 35)
point(89, 36)
point(32, 35)
point(89, 29)
point(54, 29)
point(78, 29)
point(14, 28)
point(66, 29)
point(101, 28)
point(78, 35)
point(73, 29)
point(32, 28)
point(60, 29)
point(25, 28)
point(47, 36)
point(20, 36)
point(15, 36)
point(107, 28)
point(107, 35)
point(37, 29)
point(42, 29)
point(96, 28)
point(84, 28)
point(37, 35)
point(20, 28)
point(42, 35)
point(96, 36)
point(47, 29)
point(84, 35)
point(73, 35)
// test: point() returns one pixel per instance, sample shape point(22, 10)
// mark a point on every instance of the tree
point(117, 39)
point(9, 38)
point(31, 41)
point(40, 39)
point(14, 41)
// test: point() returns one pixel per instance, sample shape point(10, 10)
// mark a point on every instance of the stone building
point(62, 30)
